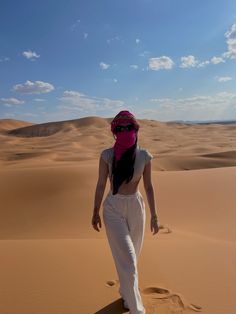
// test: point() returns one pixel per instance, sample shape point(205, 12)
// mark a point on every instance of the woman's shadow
point(114, 308)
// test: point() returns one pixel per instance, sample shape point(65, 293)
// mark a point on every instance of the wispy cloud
point(11, 101)
point(104, 66)
point(4, 59)
point(78, 101)
point(203, 64)
point(85, 35)
point(144, 53)
point(159, 63)
point(231, 42)
point(31, 55)
point(199, 107)
point(113, 39)
point(37, 87)
point(74, 25)
point(39, 99)
point(137, 40)
point(134, 66)
point(216, 60)
point(223, 78)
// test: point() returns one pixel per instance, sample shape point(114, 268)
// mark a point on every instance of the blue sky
point(164, 60)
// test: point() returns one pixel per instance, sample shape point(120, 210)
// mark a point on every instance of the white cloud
point(85, 35)
point(231, 42)
point(216, 60)
point(74, 100)
point(191, 62)
point(115, 80)
point(223, 78)
point(137, 40)
point(188, 62)
point(163, 62)
point(198, 107)
point(31, 55)
point(11, 101)
point(134, 66)
point(37, 87)
point(104, 66)
point(70, 94)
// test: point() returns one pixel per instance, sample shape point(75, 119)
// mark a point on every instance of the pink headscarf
point(125, 139)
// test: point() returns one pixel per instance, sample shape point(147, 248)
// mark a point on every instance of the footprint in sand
point(112, 283)
point(159, 299)
point(164, 229)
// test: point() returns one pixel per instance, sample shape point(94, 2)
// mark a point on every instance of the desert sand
point(54, 262)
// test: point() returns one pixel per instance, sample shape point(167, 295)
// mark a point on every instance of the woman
point(124, 208)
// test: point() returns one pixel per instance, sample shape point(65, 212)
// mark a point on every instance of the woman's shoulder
point(143, 149)
point(107, 153)
point(145, 153)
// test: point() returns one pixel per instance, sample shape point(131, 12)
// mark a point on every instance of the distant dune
point(10, 124)
point(50, 128)
point(175, 146)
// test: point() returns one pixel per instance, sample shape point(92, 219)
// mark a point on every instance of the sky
point(160, 59)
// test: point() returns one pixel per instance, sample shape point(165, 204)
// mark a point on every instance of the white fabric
point(143, 156)
point(124, 219)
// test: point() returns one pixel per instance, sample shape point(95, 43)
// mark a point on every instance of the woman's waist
point(121, 195)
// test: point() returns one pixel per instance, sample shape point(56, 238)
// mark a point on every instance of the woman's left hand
point(96, 220)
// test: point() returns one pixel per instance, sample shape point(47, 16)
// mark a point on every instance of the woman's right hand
point(154, 225)
point(96, 220)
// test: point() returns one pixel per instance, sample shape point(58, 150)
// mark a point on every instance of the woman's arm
point(147, 181)
point(101, 184)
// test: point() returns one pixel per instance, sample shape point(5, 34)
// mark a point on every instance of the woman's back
point(143, 156)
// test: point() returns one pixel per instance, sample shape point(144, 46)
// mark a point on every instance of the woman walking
point(124, 208)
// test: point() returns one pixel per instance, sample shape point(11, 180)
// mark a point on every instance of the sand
point(54, 262)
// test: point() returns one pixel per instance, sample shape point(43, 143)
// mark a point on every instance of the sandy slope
point(52, 261)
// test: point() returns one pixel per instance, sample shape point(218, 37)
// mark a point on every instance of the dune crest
point(11, 124)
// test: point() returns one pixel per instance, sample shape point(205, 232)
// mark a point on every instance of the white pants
point(124, 219)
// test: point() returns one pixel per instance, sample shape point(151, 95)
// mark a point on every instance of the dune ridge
point(175, 146)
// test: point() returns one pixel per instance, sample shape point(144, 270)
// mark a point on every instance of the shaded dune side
point(50, 128)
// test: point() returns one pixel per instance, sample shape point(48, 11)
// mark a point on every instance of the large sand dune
point(53, 261)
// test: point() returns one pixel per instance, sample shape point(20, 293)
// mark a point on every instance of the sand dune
point(50, 128)
point(10, 124)
point(53, 261)
point(174, 146)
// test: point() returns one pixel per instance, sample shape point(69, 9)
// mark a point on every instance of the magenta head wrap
point(124, 140)
point(124, 116)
